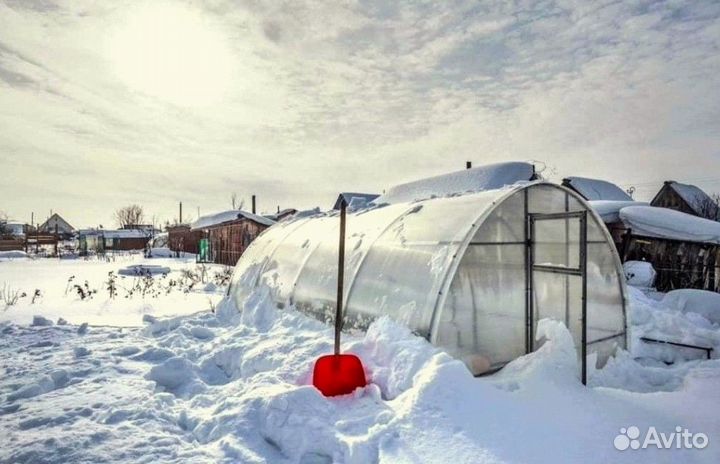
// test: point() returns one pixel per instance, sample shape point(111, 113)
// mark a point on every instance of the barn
point(471, 260)
point(228, 234)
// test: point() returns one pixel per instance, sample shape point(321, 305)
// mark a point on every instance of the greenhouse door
point(557, 278)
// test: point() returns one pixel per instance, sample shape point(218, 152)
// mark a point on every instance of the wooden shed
point(686, 198)
point(229, 233)
point(100, 241)
point(181, 239)
point(683, 249)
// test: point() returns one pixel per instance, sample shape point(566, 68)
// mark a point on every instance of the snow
point(13, 254)
point(211, 220)
point(596, 189)
point(702, 302)
point(609, 211)
point(235, 387)
point(58, 297)
point(639, 273)
point(666, 223)
point(488, 177)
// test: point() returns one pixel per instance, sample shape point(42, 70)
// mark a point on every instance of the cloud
point(350, 95)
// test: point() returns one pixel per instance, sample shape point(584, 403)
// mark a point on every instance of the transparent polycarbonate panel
point(546, 199)
point(558, 297)
point(399, 280)
point(363, 229)
point(251, 264)
point(556, 242)
point(506, 223)
point(606, 316)
point(289, 256)
point(316, 286)
point(440, 220)
point(483, 319)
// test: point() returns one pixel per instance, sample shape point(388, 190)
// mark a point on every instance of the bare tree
point(709, 207)
point(130, 215)
point(4, 229)
point(235, 203)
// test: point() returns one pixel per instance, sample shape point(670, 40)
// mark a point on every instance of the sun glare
point(172, 52)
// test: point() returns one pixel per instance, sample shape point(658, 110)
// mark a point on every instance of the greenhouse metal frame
point(472, 273)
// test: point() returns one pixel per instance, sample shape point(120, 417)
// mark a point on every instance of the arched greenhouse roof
point(472, 273)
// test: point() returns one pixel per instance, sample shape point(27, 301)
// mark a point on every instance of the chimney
point(253, 204)
point(468, 164)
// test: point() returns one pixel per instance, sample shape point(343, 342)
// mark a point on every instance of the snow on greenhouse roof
point(596, 189)
point(669, 224)
point(216, 219)
point(609, 210)
point(489, 177)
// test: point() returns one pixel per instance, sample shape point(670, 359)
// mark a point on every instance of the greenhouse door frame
point(579, 271)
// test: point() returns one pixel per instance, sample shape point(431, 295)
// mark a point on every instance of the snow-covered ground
point(50, 287)
point(234, 387)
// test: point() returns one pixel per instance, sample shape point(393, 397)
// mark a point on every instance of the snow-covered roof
point(205, 222)
point(119, 233)
point(125, 233)
point(354, 199)
point(596, 189)
point(489, 177)
point(695, 197)
point(609, 210)
point(652, 221)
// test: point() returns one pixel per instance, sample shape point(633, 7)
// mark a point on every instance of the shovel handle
point(341, 277)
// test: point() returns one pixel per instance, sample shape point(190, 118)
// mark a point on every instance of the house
point(12, 236)
point(56, 224)
point(355, 199)
point(100, 240)
point(687, 199)
point(226, 235)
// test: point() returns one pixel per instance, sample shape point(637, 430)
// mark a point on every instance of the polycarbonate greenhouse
point(472, 273)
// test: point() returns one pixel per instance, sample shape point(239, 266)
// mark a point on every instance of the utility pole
point(180, 220)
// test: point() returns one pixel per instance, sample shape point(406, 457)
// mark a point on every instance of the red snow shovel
point(339, 374)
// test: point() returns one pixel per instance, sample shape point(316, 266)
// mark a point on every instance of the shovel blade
point(338, 374)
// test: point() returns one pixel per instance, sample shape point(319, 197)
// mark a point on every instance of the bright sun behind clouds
point(171, 52)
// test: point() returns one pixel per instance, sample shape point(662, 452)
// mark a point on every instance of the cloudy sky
point(108, 103)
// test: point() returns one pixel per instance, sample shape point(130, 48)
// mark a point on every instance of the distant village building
point(56, 224)
point(101, 241)
point(687, 199)
point(228, 234)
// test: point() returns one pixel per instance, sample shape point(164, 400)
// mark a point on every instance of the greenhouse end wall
point(466, 272)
